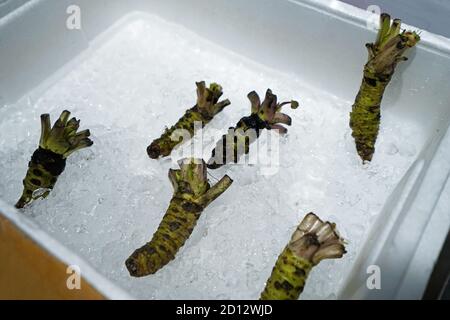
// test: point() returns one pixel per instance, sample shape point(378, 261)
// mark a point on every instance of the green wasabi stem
point(192, 194)
point(312, 242)
point(265, 115)
point(49, 160)
point(384, 55)
point(206, 108)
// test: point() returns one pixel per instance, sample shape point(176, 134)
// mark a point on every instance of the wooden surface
point(29, 272)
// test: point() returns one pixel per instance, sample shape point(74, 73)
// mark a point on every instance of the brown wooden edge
point(27, 271)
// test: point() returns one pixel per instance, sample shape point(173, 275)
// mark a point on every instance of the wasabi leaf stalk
point(384, 55)
point(265, 115)
point(49, 160)
point(312, 242)
point(206, 108)
point(192, 194)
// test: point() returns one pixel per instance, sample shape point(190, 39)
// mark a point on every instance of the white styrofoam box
point(319, 41)
point(7, 6)
point(431, 15)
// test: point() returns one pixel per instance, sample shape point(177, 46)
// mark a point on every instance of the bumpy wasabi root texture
point(192, 194)
point(206, 108)
point(236, 142)
point(312, 242)
point(49, 160)
point(384, 55)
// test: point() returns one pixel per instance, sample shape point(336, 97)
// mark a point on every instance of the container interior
point(131, 70)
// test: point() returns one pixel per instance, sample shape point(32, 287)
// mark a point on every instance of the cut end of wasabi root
point(63, 138)
point(390, 46)
point(48, 161)
point(208, 99)
point(269, 110)
point(313, 241)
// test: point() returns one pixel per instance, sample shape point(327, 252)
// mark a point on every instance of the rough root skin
point(49, 160)
point(236, 142)
point(288, 277)
point(384, 55)
point(312, 242)
point(206, 108)
point(192, 194)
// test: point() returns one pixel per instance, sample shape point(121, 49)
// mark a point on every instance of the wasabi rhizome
point(192, 194)
point(206, 108)
point(265, 115)
point(384, 55)
point(49, 160)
